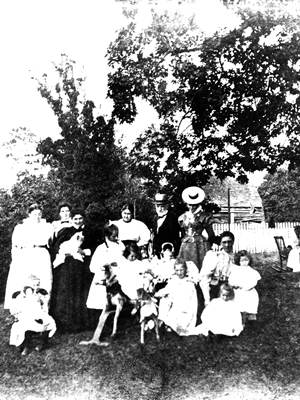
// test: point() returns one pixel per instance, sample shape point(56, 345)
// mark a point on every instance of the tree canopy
point(228, 103)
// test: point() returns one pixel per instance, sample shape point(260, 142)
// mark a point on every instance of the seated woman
point(178, 303)
point(217, 267)
point(222, 315)
point(30, 309)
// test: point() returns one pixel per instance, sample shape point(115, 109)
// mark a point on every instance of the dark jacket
point(169, 231)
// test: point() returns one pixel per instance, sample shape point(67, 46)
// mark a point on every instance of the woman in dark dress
point(72, 278)
point(195, 245)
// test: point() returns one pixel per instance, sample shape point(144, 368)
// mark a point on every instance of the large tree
point(228, 104)
point(85, 160)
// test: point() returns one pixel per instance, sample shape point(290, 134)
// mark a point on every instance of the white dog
point(70, 248)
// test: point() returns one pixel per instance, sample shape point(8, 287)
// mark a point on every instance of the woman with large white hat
point(195, 245)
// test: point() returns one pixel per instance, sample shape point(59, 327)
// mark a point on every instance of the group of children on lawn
point(176, 294)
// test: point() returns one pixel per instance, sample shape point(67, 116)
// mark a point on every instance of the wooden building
point(242, 203)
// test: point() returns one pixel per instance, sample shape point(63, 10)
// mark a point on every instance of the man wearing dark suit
point(166, 227)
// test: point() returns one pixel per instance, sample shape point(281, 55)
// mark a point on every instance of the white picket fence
point(259, 238)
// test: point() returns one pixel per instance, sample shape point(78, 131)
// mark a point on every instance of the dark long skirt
point(194, 249)
point(71, 283)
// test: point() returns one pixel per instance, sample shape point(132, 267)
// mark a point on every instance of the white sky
point(34, 33)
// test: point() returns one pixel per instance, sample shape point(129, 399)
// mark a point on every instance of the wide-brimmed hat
point(161, 199)
point(193, 195)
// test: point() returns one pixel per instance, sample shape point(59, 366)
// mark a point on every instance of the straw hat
point(193, 195)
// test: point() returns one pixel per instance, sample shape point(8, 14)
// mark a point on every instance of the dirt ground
point(262, 363)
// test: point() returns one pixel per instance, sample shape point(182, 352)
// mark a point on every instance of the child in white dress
point(243, 278)
point(221, 316)
point(163, 268)
point(178, 304)
point(131, 270)
point(30, 310)
point(109, 252)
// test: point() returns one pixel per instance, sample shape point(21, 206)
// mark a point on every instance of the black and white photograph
point(149, 200)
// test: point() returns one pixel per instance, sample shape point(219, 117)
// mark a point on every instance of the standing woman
point(71, 276)
point(64, 212)
point(195, 245)
point(30, 255)
point(132, 230)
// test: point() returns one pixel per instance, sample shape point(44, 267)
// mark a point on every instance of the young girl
point(109, 252)
point(178, 304)
point(221, 316)
point(243, 278)
point(131, 270)
point(163, 268)
point(30, 309)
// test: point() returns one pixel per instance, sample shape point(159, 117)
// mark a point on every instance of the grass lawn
point(262, 363)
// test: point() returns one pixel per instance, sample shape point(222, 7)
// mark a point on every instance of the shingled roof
point(245, 202)
point(241, 196)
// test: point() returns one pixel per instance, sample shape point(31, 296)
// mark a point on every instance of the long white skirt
point(28, 261)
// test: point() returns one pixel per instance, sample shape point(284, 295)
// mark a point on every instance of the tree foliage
point(224, 101)
point(280, 195)
point(85, 160)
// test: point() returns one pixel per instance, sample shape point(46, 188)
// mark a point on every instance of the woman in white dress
point(30, 254)
point(132, 230)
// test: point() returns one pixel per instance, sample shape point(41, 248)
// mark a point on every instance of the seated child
point(30, 309)
point(221, 316)
point(163, 268)
point(178, 301)
point(243, 279)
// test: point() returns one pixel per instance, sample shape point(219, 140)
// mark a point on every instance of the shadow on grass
point(263, 362)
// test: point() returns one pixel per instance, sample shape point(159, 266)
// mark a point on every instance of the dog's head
point(104, 274)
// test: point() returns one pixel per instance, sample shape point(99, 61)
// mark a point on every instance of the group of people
point(53, 282)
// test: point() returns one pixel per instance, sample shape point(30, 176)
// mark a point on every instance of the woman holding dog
point(71, 276)
point(30, 255)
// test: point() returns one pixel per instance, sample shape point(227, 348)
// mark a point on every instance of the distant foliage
point(280, 194)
